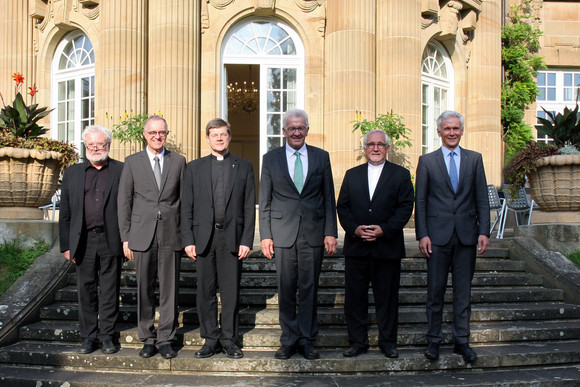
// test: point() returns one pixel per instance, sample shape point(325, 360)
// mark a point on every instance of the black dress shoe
point(208, 351)
point(166, 351)
point(148, 351)
point(354, 351)
point(469, 355)
point(233, 352)
point(88, 346)
point(308, 351)
point(285, 352)
point(107, 346)
point(389, 351)
point(432, 352)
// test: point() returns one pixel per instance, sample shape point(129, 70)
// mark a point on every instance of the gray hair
point(295, 113)
point(97, 129)
point(449, 114)
point(387, 140)
point(155, 118)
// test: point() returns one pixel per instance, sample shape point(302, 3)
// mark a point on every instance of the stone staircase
point(523, 333)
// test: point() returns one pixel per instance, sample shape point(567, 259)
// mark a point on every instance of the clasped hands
point(369, 233)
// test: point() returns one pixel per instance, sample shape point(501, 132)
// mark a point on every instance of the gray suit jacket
point(282, 208)
point(140, 200)
point(72, 208)
point(197, 210)
point(438, 210)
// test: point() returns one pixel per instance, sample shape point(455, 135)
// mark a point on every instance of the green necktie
point(298, 180)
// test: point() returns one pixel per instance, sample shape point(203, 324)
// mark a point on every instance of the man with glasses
point(297, 222)
point(89, 236)
point(218, 214)
point(374, 204)
point(149, 220)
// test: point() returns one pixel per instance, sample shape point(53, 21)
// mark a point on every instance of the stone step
point(263, 338)
point(411, 359)
point(335, 297)
point(521, 377)
point(334, 279)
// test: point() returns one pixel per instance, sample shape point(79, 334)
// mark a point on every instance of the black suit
point(97, 263)
point(297, 223)
point(453, 222)
point(377, 262)
point(217, 248)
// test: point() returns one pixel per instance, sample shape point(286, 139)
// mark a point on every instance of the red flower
point(33, 90)
point(18, 78)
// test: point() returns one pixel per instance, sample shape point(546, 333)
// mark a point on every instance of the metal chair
point(51, 207)
point(518, 205)
point(498, 205)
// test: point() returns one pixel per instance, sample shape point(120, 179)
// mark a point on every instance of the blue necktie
point(453, 172)
point(298, 178)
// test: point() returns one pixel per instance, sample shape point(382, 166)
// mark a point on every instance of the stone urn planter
point(555, 186)
point(29, 179)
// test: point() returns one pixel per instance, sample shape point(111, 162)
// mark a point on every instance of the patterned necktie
point(298, 178)
point(453, 171)
point(157, 171)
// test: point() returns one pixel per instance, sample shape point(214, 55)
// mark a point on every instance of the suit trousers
point(298, 268)
point(160, 263)
point(218, 268)
point(460, 260)
point(384, 276)
point(98, 281)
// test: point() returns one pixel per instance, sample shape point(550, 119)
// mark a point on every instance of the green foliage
point(391, 123)
point(520, 45)
point(15, 259)
point(21, 119)
point(563, 128)
point(523, 163)
point(130, 129)
point(68, 151)
point(574, 257)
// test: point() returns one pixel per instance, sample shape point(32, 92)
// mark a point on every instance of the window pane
point(273, 143)
point(61, 131)
point(234, 46)
point(274, 124)
point(61, 91)
point(577, 79)
point(289, 80)
point(551, 94)
point(541, 79)
point(551, 79)
point(567, 79)
point(61, 112)
point(273, 101)
point(288, 47)
point(273, 78)
point(70, 89)
point(289, 100)
point(85, 108)
point(542, 94)
point(568, 94)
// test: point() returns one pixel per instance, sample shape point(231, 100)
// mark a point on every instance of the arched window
point(436, 93)
point(272, 52)
point(73, 91)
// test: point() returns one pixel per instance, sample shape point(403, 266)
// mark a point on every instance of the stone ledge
point(564, 238)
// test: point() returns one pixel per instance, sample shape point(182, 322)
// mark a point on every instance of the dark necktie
point(157, 171)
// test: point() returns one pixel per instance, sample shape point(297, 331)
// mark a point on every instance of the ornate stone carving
point(264, 7)
point(59, 11)
point(309, 5)
point(220, 4)
point(449, 17)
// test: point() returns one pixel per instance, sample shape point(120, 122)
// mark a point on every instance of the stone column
point(399, 54)
point(174, 52)
point(121, 68)
point(16, 47)
point(351, 79)
point(483, 131)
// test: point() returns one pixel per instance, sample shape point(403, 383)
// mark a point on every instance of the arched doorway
point(268, 56)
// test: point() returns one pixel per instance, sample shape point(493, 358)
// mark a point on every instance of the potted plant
point(552, 171)
point(29, 164)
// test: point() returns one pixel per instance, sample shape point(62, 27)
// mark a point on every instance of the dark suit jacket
point(140, 200)
point(282, 207)
point(197, 210)
point(438, 210)
point(72, 208)
point(390, 208)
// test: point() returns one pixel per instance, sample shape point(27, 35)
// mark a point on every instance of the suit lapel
point(363, 182)
point(312, 162)
point(165, 172)
point(234, 164)
point(111, 177)
point(443, 168)
point(283, 164)
point(463, 167)
point(148, 169)
point(206, 176)
point(382, 179)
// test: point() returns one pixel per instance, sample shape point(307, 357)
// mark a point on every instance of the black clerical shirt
point(95, 185)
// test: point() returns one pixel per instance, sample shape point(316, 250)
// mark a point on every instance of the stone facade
point(358, 56)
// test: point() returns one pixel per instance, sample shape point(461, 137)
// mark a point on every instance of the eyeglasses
point(161, 133)
point(376, 144)
point(99, 146)
point(300, 129)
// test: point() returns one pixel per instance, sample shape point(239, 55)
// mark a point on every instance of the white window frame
point(432, 82)
point(264, 62)
point(75, 74)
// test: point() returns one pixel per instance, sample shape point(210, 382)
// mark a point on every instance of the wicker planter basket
point(556, 184)
point(29, 176)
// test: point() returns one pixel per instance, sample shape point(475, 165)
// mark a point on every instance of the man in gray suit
point(149, 220)
point(451, 222)
point(297, 221)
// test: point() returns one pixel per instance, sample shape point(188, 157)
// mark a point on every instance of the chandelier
point(243, 97)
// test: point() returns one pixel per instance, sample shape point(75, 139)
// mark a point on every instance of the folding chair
point(52, 206)
point(519, 205)
point(498, 205)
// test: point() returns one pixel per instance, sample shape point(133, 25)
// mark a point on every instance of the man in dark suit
point(451, 221)
point(297, 221)
point(374, 204)
point(218, 214)
point(149, 220)
point(89, 235)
